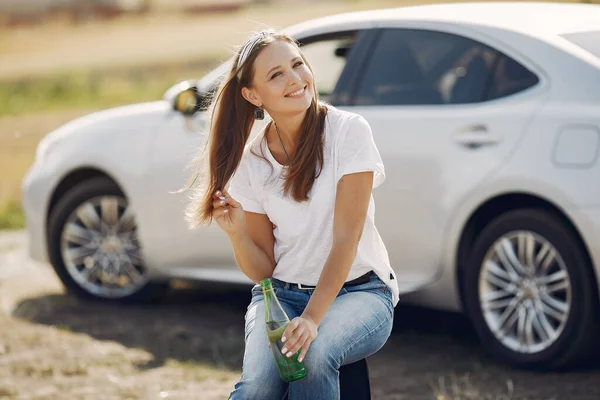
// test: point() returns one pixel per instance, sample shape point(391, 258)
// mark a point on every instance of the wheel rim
point(100, 248)
point(525, 292)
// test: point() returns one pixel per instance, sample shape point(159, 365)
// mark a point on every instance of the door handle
point(476, 136)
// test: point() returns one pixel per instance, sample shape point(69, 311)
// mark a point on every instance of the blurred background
point(60, 59)
point(64, 58)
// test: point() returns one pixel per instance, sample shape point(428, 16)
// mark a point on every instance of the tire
point(569, 337)
point(100, 244)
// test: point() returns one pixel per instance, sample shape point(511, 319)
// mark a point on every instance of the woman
point(299, 209)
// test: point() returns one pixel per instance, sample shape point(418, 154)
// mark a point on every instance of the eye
point(275, 75)
point(299, 63)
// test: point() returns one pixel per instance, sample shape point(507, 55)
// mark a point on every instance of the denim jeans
point(357, 325)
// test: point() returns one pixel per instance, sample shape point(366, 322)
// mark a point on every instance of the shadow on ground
point(429, 353)
point(199, 324)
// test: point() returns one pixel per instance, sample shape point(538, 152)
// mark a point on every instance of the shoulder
point(253, 150)
point(341, 123)
point(337, 117)
point(248, 166)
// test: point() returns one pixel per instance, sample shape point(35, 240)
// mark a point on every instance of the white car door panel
point(437, 147)
point(172, 243)
point(429, 172)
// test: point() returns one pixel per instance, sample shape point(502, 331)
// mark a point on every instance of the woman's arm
point(251, 236)
point(351, 205)
point(254, 250)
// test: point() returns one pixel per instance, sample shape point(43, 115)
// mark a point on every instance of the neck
point(289, 127)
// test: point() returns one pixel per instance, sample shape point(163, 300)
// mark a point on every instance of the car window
point(465, 76)
point(423, 67)
point(212, 79)
point(327, 57)
point(510, 77)
point(589, 41)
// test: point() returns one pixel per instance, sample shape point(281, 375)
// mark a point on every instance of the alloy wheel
point(101, 250)
point(525, 292)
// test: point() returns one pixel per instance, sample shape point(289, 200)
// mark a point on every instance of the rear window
point(589, 41)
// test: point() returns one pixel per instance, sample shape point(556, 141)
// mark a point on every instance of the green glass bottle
point(290, 369)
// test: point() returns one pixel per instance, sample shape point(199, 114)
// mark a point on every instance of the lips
point(297, 93)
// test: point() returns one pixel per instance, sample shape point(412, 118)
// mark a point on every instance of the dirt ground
point(190, 346)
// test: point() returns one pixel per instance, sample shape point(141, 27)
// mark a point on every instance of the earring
point(259, 113)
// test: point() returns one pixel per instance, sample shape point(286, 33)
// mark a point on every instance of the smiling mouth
point(297, 93)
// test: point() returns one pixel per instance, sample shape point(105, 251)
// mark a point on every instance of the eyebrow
point(279, 66)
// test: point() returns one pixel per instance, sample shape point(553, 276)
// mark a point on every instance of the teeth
point(297, 92)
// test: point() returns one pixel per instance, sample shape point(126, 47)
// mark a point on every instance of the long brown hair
point(232, 118)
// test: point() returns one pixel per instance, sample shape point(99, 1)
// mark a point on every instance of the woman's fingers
point(230, 200)
point(292, 345)
point(300, 333)
point(301, 341)
point(221, 203)
point(298, 342)
point(223, 198)
point(220, 213)
point(287, 337)
point(289, 329)
point(305, 347)
point(299, 337)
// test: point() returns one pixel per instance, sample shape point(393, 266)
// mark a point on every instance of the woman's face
point(282, 81)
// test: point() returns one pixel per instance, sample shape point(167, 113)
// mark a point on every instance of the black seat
point(469, 88)
point(354, 381)
point(401, 82)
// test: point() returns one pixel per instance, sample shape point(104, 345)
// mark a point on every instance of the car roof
point(540, 19)
point(533, 18)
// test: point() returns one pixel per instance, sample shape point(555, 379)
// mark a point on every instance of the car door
point(446, 115)
point(205, 253)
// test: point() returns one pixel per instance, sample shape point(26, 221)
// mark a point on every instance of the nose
point(294, 78)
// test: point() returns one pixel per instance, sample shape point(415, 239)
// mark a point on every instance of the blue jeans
point(357, 325)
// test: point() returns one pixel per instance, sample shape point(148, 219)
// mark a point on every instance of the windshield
point(589, 41)
point(213, 78)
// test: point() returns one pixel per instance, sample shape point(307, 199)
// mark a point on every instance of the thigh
point(357, 324)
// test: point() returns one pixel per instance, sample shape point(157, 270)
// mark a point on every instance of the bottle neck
point(266, 285)
point(273, 309)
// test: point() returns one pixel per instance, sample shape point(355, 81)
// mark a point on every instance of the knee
point(260, 378)
point(258, 387)
point(320, 358)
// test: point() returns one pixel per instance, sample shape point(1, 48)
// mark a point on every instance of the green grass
point(97, 89)
point(11, 215)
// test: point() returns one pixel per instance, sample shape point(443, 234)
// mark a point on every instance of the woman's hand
point(299, 334)
point(228, 213)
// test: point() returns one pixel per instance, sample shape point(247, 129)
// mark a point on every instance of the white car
point(487, 117)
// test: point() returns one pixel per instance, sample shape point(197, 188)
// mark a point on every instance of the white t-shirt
point(303, 231)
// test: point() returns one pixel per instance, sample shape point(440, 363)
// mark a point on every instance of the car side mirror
point(342, 51)
point(187, 101)
point(186, 98)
